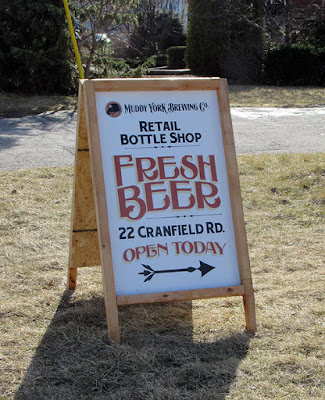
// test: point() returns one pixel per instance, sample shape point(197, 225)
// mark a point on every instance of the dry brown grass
point(54, 342)
point(12, 105)
point(276, 96)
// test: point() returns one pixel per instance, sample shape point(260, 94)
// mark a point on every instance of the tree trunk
point(90, 60)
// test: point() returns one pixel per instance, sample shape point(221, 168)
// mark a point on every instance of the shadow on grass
point(157, 359)
point(11, 133)
point(45, 126)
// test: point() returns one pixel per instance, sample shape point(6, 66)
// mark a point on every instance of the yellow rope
point(74, 42)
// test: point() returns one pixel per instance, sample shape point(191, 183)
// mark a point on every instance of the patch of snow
point(255, 113)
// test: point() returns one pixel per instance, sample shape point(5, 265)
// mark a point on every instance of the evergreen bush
point(175, 57)
point(295, 65)
point(34, 47)
point(225, 38)
point(321, 60)
point(161, 60)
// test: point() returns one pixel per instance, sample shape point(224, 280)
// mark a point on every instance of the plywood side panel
point(84, 249)
point(84, 206)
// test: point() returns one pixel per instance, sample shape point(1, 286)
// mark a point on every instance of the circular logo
point(113, 109)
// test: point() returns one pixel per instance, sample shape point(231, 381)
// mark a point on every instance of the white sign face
point(167, 191)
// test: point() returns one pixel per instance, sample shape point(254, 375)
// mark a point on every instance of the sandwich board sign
point(156, 194)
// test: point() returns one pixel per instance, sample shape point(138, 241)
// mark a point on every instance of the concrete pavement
point(48, 139)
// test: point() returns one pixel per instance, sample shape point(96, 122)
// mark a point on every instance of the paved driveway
point(275, 130)
point(48, 139)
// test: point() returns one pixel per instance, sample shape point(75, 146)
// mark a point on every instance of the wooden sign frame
point(90, 243)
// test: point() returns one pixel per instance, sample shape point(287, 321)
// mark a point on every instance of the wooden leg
point(111, 305)
point(113, 326)
point(72, 278)
point(249, 307)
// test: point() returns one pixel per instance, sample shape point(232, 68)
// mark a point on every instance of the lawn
point(54, 342)
point(275, 96)
point(12, 105)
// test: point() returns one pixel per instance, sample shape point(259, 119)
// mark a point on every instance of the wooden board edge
point(236, 205)
point(72, 271)
point(150, 84)
point(234, 184)
point(181, 295)
point(101, 212)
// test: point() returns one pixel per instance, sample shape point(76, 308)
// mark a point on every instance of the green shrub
point(225, 38)
point(170, 31)
point(321, 60)
point(161, 60)
point(294, 65)
point(175, 57)
point(133, 63)
point(158, 60)
point(34, 47)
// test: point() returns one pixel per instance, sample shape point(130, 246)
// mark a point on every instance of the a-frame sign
point(156, 194)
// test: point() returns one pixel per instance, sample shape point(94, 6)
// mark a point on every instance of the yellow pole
point(74, 42)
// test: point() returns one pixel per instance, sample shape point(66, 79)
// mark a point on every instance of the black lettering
point(122, 234)
point(130, 234)
point(209, 226)
point(124, 139)
point(143, 126)
point(173, 137)
point(140, 233)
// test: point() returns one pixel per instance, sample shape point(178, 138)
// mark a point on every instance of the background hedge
point(295, 65)
point(175, 57)
point(34, 47)
point(225, 38)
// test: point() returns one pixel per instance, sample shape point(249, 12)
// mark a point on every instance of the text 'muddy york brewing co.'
point(164, 107)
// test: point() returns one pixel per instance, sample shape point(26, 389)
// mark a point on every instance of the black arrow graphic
point(149, 272)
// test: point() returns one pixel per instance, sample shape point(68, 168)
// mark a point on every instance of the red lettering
point(197, 249)
point(162, 247)
point(128, 255)
point(211, 164)
point(118, 168)
point(177, 246)
point(202, 198)
point(139, 250)
point(187, 247)
point(125, 211)
point(149, 196)
point(219, 247)
point(141, 170)
point(161, 166)
point(210, 248)
point(174, 189)
point(151, 250)
point(192, 167)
